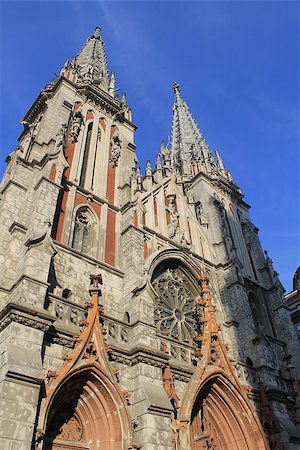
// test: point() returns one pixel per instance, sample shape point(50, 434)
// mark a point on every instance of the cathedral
point(137, 311)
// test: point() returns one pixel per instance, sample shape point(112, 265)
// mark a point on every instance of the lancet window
point(176, 309)
point(86, 154)
point(83, 230)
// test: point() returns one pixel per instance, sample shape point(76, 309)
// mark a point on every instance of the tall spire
point(189, 152)
point(90, 63)
point(187, 142)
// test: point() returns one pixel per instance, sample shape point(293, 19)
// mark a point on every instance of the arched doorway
point(221, 419)
point(87, 413)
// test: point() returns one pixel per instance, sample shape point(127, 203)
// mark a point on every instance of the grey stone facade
point(184, 217)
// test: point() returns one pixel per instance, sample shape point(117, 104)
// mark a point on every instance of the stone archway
point(221, 419)
point(87, 413)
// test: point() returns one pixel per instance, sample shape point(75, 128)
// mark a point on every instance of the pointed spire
point(188, 143)
point(123, 99)
point(91, 60)
point(219, 160)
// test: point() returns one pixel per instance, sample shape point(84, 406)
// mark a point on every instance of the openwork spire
point(91, 60)
point(187, 141)
point(189, 152)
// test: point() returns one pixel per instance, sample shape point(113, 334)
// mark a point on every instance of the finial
point(95, 280)
point(123, 99)
point(148, 168)
point(176, 88)
point(97, 33)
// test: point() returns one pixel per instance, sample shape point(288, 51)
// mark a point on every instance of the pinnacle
point(96, 33)
point(176, 88)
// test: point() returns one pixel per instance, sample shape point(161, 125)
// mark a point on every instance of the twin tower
point(137, 311)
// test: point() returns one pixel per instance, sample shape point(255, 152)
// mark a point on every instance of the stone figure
point(76, 125)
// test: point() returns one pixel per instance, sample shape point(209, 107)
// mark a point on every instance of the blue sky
point(238, 67)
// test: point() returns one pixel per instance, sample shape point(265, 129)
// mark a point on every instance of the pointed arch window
point(83, 229)
point(86, 154)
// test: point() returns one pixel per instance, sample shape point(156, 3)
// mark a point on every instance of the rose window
point(176, 309)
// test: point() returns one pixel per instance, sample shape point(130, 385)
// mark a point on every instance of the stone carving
point(59, 311)
point(239, 371)
point(115, 150)
point(164, 347)
point(189, 194)
point(96, 280)
point(175, 305)
point(123, 334)
point(215, 359)
point(91, 352)
point(61, 136)
point(71, 430)
point(74, 316)
point(32, 127)
point(174, 351)
point(165, 152)
point(210, 436)
point(126, 395)
point(183, 355)
point(51, 375)
point(63, 342)
point(169, 386)
point(183, 241)
point(200, 214)
point(173, 227)
point(112, 330)
point(76, 125)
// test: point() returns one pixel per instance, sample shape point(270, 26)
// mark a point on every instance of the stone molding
point(37, 319)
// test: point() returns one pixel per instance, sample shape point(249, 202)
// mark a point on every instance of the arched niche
point(84, 230)
point(87, 412)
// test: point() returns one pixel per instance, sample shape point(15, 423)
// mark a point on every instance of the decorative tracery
point(176, 309)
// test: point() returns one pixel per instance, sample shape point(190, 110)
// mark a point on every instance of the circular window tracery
point(176, 310)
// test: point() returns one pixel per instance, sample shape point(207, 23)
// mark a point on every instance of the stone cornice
point(13, 183)
point(33, 318)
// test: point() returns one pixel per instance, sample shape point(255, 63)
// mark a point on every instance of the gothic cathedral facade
point(136, 311)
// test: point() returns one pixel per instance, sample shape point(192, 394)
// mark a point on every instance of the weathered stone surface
point(182, 220)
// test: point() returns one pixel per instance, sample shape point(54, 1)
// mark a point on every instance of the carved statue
point(76, 125)
point(189, 194)
point(116, 150)
point(71, 430)
point(200, 214)
point(174, 216)
point(61, 136)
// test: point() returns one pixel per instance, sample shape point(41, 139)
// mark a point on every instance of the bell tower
point(62, 195)
point(99, 152)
